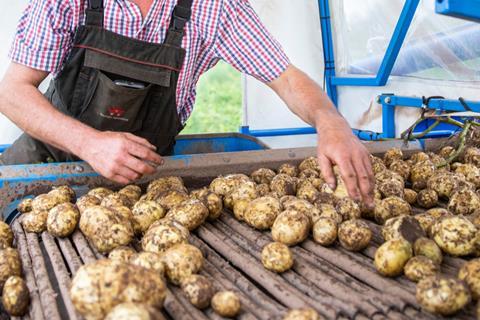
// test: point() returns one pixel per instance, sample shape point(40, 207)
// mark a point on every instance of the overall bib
point(87, 86)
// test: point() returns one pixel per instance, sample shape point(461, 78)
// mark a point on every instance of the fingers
point(327, 171)
point(138, 166)
point(120, 179)
point(349, 175)
point(364, 179)
point(140, 151)
point(139, 140)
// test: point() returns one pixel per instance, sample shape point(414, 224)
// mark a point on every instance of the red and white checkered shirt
point(219, 29)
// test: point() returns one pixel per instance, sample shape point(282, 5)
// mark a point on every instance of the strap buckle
point(180, 17)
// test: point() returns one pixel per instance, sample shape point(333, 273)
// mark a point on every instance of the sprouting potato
point(464, 202)
point(391, 207)
point(263, 175)
point(391, 257)
point(226, 304)
point(164, 234)
point(288, 169)
point(354, 235)
point(428, 248)
point(420, 267)
point(15, 296)
point(455, 235)
point(198, 290)
point(181, 261)
point(121, 254)
point(191, 213)
point(427, 198)
point(325, 231)
point(262, 212)
point(62, 219)
point(277, 257)
point(348, 209)
point(442, 295)
point(291, 227)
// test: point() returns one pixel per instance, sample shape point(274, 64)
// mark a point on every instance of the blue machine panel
point(464, 9)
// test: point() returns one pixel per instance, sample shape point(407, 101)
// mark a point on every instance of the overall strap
point(94, 13)
point(180, 16)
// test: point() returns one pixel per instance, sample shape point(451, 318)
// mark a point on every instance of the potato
point(122, 254)
point(34, 221)
point(44, 202)
point(163, 184)
point(263, 189)
point(106, 229)
point(302, 314)
point(277, 257)
point(181, 261)
point(62, 194)
point(392, 155)
point(211, 200)
point(475, 218)
point(391, 188)
point(444, 183)
point(263, 175)
point(62, 220)
point(402, 168)
point(309, 174)
point(471, 173)
point(391, 207)
point(470, 274)
point(455, 235)
point(25, 205)
point(326, 198)
point(191, 213)
point(171, 198)
point(377, 164)
point(419, 157)
point(10, 265)
point(240, 207)
point(134, 311)
point(283, 185)
point(410, 196)
point(329, 211)
point(288, 169)
point(309, 163)
point(149, 260)
point(133, 192)
point(87, 201)
point(117, 200)
point(442, 295)
point(291, 227)
point(247, 190)
point(306, 191)
point(304, 207)
point(348, 209)
point(427, 198)
point(108, 283)
point(446, 152)
point(325, 231)
point(404, 227)
point(391, 257)
point(15, 296)
point(145, 213)
point(420, 173)
point(420, 267)
point(198, 290)
point(164, 234)
point(225, 185)
point(226, 304)
point(388, 175)
point(354, 235)
point(426, 222)
point(100, 193)
point(428, 248)
point(438, 213)
point(262, 212)
point(472, 156)
point(6, 236)
point(463, 202)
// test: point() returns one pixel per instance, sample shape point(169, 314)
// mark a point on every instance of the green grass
point(219, 102)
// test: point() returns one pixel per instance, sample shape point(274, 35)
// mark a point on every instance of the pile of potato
point(416, 242)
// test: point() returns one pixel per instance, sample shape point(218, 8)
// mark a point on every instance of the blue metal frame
point(469, 10)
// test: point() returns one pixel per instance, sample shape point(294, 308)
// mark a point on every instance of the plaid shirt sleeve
point(44, 35)
point(244, 42)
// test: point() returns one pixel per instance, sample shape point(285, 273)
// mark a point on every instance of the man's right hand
point(120, 157)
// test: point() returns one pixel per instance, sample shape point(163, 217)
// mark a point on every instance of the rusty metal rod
point(285, 293)
point(309, 288)
point(48, 296)
point(60, 270)
point(73, 260)
point(174, 308)
point(35, 309)
point(235, 277)
point(83, 248)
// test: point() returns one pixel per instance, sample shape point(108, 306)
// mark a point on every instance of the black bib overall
point(87, 88)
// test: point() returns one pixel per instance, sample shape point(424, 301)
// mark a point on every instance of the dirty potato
point(420, 267)
point(191, 213)
point(428, 248)
point(239, 209)
point(309, 163)
point(410, 196)
point(145, 213)
point(25, 205)
point(100, 193)
point(455, 235)
point(302, 314)
point(263, 175)
point(391, 207)
point(134, 311)
point(132, 191)
point(470, 172)
point(427, 198)
point(392, 155)
point(44, 202)
point(445, 183)
point(426, 222)
point(325, 231)
point(402, 168)
point(211, 200)
point(10, 265)
point(226, 304)
point(87, 201)
point(354, 235)
point(404, 227)
point(329, 211)
point(117, 200)
point(198, 290)
point(247, 190)
point(283, 185)
point(442, 295)
point(121, 254)
point(225, 185)
point(288, 169)
point(62, 220)
point(304, 207)
point(277, 257)
point(34, 221)
point(470, 273)
point(291, 227)
point(420, 173)
point(6, 236)
point(171, 198)
point(472, 156)
point(263, 189)
point(348, 209)
point(262, 212)
point(181, 261)
point(464, 202)
point(149, 260)
point(164, 234)
point(377, 164)
point(306, 191)
point(391, 257)
point(390, 188)
point(106, 229)
point(15, 296)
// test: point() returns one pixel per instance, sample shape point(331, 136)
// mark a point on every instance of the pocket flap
point(127, 68)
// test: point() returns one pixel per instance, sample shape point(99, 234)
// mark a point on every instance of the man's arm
point(117, 156)
point(336, 143)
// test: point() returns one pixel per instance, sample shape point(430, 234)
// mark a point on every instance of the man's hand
point(336, 143)
point(121, 157)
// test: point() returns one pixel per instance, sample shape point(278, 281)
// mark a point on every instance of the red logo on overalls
point(115, 111)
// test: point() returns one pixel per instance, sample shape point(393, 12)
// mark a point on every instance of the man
point(124, 83)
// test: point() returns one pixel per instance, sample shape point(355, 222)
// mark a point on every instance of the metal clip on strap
point(94, 13)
